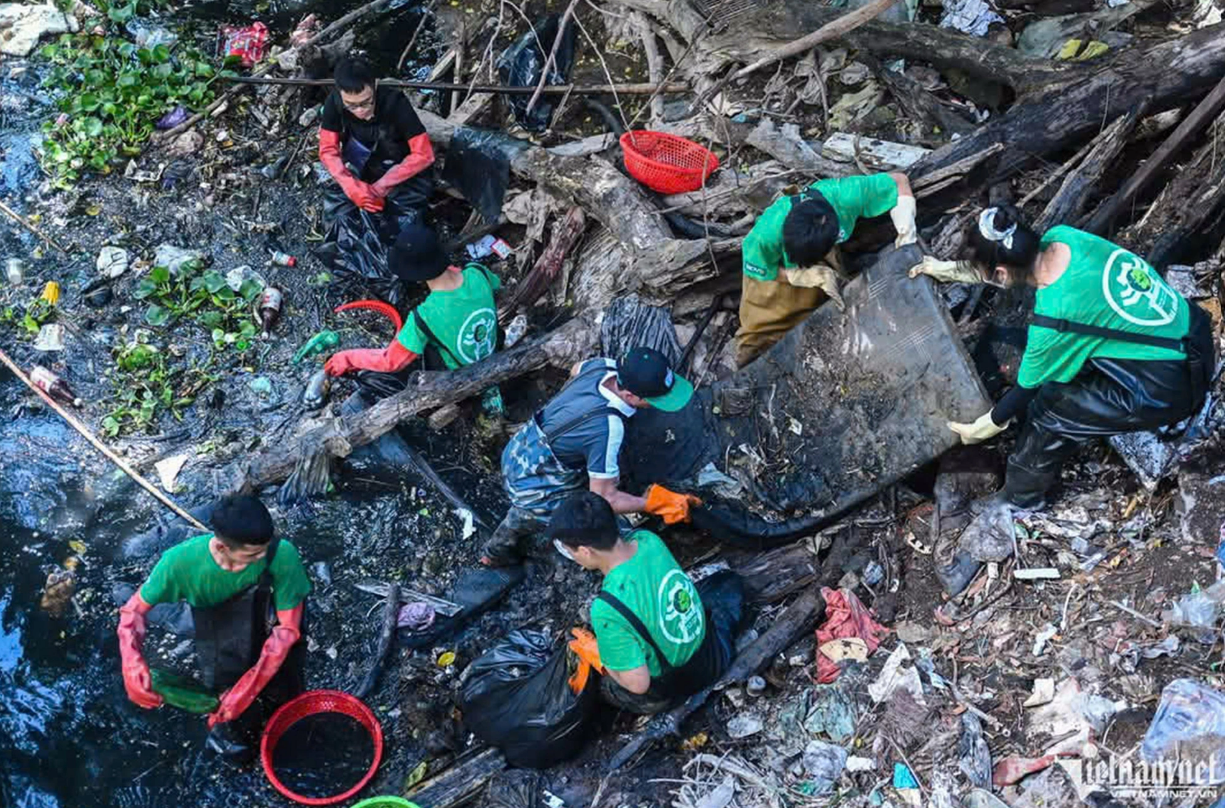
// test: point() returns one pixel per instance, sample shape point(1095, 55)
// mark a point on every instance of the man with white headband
point(1112, 348)
point(791, 257)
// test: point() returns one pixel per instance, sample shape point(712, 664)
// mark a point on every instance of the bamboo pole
point(17, 217)
point(97, 444)
point(553, 89)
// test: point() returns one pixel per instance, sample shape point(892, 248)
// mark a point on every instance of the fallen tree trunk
point(759, 33)
point(643, 256)
point(1066, 206)
point(459, 783)
point(1170, 73)
point(797, 619)
point(425, 391)
point(565, 235)
point(1201, 116)
point(1171, 225)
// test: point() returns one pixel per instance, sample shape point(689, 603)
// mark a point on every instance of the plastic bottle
point(515, 331)
point(269, 308)
point(54, 386)
point(14, 271)
point(317, 388)
point(282, 259)
point(323, 341)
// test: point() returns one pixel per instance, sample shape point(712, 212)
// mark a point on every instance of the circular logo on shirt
point(1136, 292)
point(680, 619)
point(478, 335)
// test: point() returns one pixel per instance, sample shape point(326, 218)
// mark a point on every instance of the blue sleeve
point(604, 446)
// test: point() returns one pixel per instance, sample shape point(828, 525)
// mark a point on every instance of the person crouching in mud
point(573, 443)
point(1112, 348)
point(657, 640)
point(458, 319)
point(233, 579)
point(374, 145)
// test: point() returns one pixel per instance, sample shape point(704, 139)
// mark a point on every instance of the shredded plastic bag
point(1189, 725)
point(517, 698)
point(523, 62)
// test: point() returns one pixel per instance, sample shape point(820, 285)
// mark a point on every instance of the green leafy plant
point(205, 297)
point(114, 93)
point(147, 383)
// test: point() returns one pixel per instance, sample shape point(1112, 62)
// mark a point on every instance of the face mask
point(561, 548)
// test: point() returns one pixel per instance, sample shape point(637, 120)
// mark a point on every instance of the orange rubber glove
point(238, 698)
point(420, 157)
point(392, 359)
point(673, 507)
point(136, 678)
point(584, 647)
point(359, 193)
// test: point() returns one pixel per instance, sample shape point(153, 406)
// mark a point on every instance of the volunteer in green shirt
point(1112, 347)
point(791, 260)
point(232, 579)
point(656, 641)
point(458, 318)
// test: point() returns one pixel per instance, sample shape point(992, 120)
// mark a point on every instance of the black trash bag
point(518, 698)
point(478, 166)
point(357, 241)
point(523, 62)
point(722, 596)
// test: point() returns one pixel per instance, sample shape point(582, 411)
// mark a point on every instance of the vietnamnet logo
point(1183, 776)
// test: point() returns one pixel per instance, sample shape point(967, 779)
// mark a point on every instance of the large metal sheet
point(846, 404)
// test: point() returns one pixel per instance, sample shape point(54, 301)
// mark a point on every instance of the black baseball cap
point(645, 372)
point(417, 256)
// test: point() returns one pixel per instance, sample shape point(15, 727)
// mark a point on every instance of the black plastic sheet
point(522, 64)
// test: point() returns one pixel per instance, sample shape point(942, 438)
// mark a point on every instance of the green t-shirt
point(655, 588)
point(463, 319)
point(188, 572)
point(852, 198)
point(1106, 286)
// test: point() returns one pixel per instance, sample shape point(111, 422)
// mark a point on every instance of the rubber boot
point(956, 573)
point(1026, 489)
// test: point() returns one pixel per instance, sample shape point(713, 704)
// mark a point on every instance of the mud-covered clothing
point(463, 322)
point(852, 199)
point(1104, 286)
point(188, 572)
point(655, 588)
point(769, 309)
point(386, 136)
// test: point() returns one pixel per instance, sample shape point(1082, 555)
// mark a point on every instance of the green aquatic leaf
point(91, 126)
point(214, 281)
point(157, 315)
point(122, 14)
point(160, 274)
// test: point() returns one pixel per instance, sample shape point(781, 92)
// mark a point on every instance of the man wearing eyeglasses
point(373, 144)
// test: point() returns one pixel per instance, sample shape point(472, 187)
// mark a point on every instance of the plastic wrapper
point(517, 698)
point(522, 64)
point(1189, 725)
point(182, 692)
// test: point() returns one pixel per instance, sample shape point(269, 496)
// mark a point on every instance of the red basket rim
point(367, 720)
point(710, 163)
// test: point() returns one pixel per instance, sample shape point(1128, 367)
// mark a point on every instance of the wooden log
point(646, 88)
point(1065, 207)
point(566, 233)
point(1169, 72)
point(774, 574)
point(760, 31)
point(387, 635)
point(1172, 225)
point(425, 391)
point(1101, 220)
point(460, 782)
point(798, 618)
point(919, 104)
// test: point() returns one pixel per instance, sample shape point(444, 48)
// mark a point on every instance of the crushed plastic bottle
point(515, 331)
point(1199, 611)
point(14, 271)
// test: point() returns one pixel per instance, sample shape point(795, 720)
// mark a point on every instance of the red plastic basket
point(314, 702)
point(666, 163)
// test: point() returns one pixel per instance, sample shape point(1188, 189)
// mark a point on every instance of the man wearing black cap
point(458, 317)
point(573, 443)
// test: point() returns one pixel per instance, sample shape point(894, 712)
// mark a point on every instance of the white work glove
point(903, 219)
point(947, 271)
point(979, 431)
point(817, 277)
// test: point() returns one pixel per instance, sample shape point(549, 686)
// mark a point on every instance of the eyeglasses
point(364, 105)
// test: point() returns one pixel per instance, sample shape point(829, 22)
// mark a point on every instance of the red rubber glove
point(359, 193)
point(392, 359)
point(673, 507)
point(366, 198)
point(238, 698)
point(421, 157)
point(136, 678)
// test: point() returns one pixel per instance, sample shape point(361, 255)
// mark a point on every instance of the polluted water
point(323, 755)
